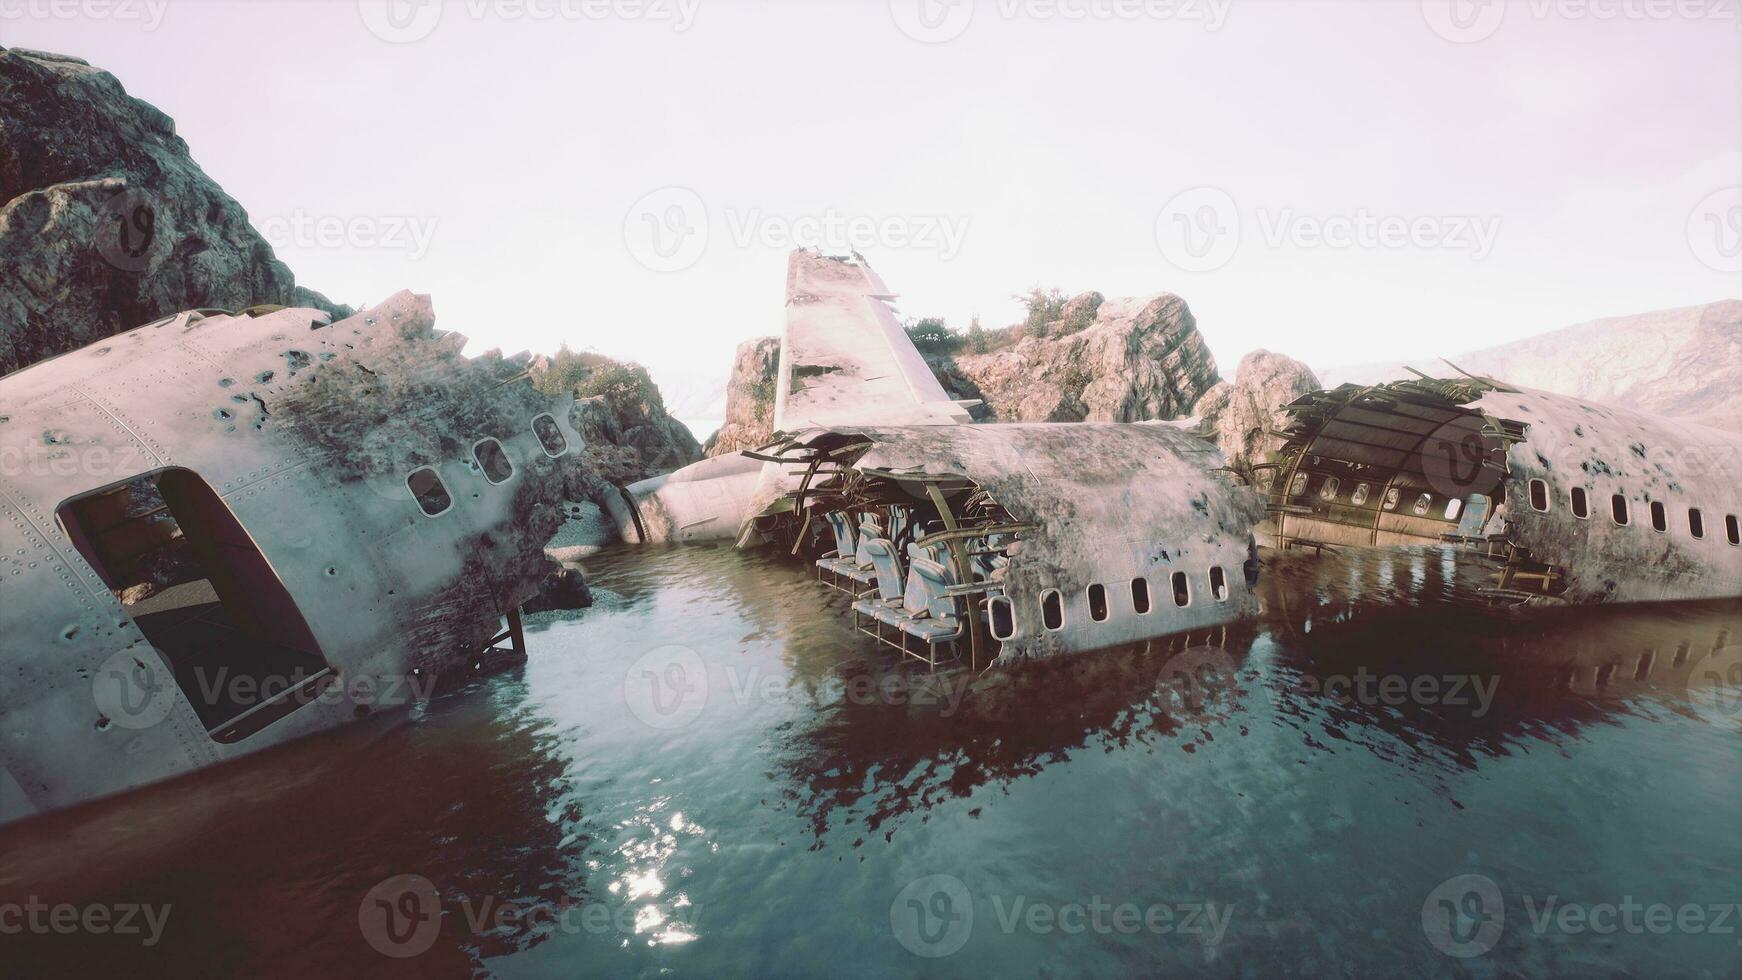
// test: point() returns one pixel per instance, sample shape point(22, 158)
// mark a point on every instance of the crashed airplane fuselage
point(222, 532)
point(1576, 502)
point(1013, 540)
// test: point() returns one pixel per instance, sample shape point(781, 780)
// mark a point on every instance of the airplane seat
point(890, 590)
point(844, 560)
point(938, 622)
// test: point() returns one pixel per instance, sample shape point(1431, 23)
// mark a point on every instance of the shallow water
point(1260, 803)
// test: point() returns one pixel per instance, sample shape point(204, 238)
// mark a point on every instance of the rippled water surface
point(1284, 800)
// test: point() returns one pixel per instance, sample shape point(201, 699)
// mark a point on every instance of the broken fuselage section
point(1001, 543)
point(1574, 502)
point(222, 532)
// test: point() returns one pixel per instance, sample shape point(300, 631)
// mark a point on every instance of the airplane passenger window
point(1422, 503)
point(1360, 495)
point(1329, 490)
point(1052, 609)
point(1297, 486)
point(1219, 583)
point(1618, 509)
point(1098, 603)
point(550, 435)
point(493, 460)
point(1731, 527)
point(1454, 507)
point(1581, 503)
point(1003, 621)
point(1140, 595)
point(1659, 516)
point(1392, 496)
point(1182, 590)
point(1696, 522)
point(1539, 496)
point(432, 495)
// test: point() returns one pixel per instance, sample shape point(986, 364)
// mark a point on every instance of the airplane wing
point(845, 359)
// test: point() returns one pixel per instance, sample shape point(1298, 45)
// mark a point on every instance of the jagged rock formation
point(1118, 360)
point(1683, 363)
point(1241, 415)
point(106, 222)
point(619, 412)
point(749, 398)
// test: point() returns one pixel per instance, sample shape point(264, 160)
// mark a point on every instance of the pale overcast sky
point(537, 164)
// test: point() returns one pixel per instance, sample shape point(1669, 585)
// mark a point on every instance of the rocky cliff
point(749, 398)
point(1118, 360)
point(1684, 362)
point(619, 412)
point(1240, 415)
point(106, 222)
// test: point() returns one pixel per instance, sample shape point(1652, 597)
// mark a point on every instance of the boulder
point(1240, 416)
point(106, 222)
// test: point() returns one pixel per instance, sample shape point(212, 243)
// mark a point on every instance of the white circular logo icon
point(932, 21)
point(1464, 21)
point(1715, 230)
point(667, 230)
point(401, 917)
point(1197, 677)
point(667, 687)
point(129, 235)
point(1199, 230)
point(1464, 916)
point(933, 916)
point(134, 689)
point(400, 21)
point(1458, 462)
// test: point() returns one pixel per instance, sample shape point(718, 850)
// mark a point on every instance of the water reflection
point(1274, 766)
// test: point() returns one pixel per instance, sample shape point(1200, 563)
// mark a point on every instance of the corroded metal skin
point(1574, 492)
point(1113, 503)
point(306, 432)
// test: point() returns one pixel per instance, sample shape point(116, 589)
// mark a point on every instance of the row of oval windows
point(1580, 502)
point(1052, 605)
point(1363, 492)
point(492, 460)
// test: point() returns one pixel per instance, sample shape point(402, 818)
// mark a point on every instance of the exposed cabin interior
point(197, 586)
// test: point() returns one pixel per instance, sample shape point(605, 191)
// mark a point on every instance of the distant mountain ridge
point(1685, 363)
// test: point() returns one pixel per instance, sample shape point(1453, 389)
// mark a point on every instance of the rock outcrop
point(1117, 360)
point(106, 222)
point(1240, 415)
point(619, 412)
point(749, 398)
point(1684, 363)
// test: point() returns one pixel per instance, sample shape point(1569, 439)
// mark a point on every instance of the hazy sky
point(1339, 181)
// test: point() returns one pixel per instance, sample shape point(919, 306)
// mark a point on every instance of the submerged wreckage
point(986, 543)
point(1574, 502)
point(307, 521)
